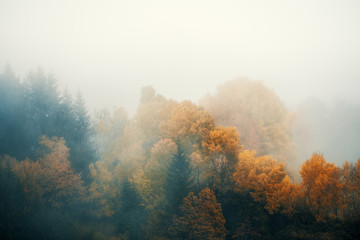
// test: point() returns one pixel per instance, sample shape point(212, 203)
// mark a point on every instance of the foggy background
point(184, 49)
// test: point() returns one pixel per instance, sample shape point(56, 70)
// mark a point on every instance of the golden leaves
point(51, 178)
point(201, 217)
point(267, 182)
point(187, 121)
point(323, 187)
point(223, 140)
point(259, 115)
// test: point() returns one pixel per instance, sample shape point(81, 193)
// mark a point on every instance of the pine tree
point(11, 114)
point(65, 117)
point(12, 202)
point(83, 153)
point(132, 214)
point(41, 102)
point(179, 180)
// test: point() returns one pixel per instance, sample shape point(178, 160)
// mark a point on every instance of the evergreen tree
point(179, 181)
point(132, 214)
point(41, 102)
point(13, 202)
point(65, 117)
point(82, 119)
point(11, 114)
point(33, 108)
point(82, 153)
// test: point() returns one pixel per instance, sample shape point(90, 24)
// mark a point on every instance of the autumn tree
point(323, 187)
point(221, 149)
point(120, 156)
point(152, 178)
point(200, 218)
point(152, 112)
point(259, 115)
point(350, 178)
point(150, 182)
point(189, 124)
point(50, 179)
point(267, 181)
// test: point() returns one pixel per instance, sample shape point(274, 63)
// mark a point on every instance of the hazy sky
point(110, 49)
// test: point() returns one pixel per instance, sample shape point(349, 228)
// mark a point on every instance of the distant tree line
point(170, 172)
point(33, 107)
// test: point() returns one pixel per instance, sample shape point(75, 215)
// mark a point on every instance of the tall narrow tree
point(179, 180)
point(83, 153)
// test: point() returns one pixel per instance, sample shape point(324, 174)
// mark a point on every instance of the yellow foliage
point(104, 189)
point(151, 179)
point(323, 187)
point(201, 217)
point(121, 155)
point(188, 122)
point(51, 178)
point(223, 140)
point(259, 115)
point(267, 182)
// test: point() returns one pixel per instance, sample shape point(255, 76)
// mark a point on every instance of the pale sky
point(184, 49)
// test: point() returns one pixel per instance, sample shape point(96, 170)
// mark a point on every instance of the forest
point(224, 168)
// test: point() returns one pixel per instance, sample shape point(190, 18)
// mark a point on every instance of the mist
point(111, 49)
point(179, 120)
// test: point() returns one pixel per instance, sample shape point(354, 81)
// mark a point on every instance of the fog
point(179, 119)
point(110, 49)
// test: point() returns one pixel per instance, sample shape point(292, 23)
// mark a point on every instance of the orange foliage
point(224, 140)
point(259, 115)
point(220, 149)
point(201, 218)
point(51, 178)
point(150, 180)
point(189, 122)
point(153, 111)
point(120, 154)
point(104, 189)
point(323, 187)
point(267, 181)
point(351, 189)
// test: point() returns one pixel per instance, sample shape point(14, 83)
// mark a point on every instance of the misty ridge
point(237, 165)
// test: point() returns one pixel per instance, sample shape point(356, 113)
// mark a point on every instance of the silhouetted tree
point(179, 181)
point(83, 152)
point(12, 125)
point(131, 215)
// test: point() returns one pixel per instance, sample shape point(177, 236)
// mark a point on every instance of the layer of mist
point(179, 120)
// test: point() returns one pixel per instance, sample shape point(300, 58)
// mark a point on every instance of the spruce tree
point(179, 181)
point(83, 152)
point(131, 215)
point(11, 114)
